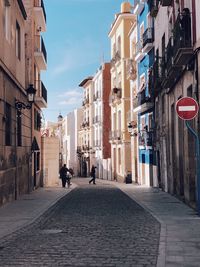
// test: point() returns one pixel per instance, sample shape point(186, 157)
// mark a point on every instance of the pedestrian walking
point(63, 174)
point(92, 173)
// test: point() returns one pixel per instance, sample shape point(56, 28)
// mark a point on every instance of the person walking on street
point(93, 174)
point(63, 174)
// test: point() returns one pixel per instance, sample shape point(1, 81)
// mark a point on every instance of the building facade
point(85, 139)
point(131, 74)
point(70, 125)
point(144, 104)
point(120, 93)
point(174, 77)
point(101, 122)
point(36, 62)
point(15, 126)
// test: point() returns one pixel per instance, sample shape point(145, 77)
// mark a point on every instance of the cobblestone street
point(91, 226)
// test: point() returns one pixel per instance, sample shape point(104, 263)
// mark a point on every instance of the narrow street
point(93, 225)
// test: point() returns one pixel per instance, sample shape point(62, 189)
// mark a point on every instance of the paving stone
point(91, 226)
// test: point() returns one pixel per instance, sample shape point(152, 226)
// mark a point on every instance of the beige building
point(131, 75)
point(120, 93)
point(36, 62)
point(21, 51)
point(15, 125)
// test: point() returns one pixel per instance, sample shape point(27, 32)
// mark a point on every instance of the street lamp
point(31, 97)
point(130, 127)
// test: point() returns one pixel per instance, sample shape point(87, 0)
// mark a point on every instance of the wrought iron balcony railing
point(148, 37)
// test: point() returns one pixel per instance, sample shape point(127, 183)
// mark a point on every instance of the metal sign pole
point(197, 163)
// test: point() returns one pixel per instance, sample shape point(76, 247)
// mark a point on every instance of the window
point(19, 128)
point(8, 124)
point(37, 161)
point(6, 19)
point(119, 120)
point(18, 41)
point(37, 120)
point(119, 45)
point(119, 159)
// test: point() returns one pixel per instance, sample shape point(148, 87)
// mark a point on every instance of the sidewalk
point(180, 225)
point(28, 208)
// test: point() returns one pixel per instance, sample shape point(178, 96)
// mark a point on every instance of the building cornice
point(84, 82)
point(119, 18)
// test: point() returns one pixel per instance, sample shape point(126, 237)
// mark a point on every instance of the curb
point(38, 215)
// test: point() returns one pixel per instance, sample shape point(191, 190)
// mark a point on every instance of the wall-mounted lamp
point(130, 127)
point(31, 97)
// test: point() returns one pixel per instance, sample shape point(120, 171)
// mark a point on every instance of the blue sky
point(76, 42)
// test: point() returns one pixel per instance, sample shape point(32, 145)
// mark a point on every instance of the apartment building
point(36, 62)
point(120, 93)
point(131, 75)
point(15, 126)
point(173, 77)
point(144, 104)
point(101, 121)
point(85, 139)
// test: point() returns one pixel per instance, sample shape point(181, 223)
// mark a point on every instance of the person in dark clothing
point(63, 174)
point(93, 174)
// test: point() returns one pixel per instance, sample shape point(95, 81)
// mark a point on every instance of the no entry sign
point(187, 108)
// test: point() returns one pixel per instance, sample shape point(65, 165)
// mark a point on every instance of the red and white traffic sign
point(187, 108)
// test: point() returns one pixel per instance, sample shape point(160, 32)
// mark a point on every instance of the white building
point(70, 127)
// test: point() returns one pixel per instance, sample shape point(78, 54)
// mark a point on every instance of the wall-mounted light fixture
point(30, 97)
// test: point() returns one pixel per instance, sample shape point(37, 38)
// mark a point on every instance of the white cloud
point(71, 97)
point(78, 54)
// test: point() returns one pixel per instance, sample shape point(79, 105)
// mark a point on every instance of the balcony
point(96, 119)
point(131, 70)
point(115, 135)
point(165, 2)
point(182, 34)
point(97, 143)
point(85, 101)
point(156, 76)
point(85, 148)
point(145, 139)
point(138, 7)
point(116, 58)
point(40, 53)
point(172, 70)
point(40, 14)
point(153, 5)
point(116, 95)
point(148, 38)
point(139, 52)
point(143, 102)
point(96, 96)
point(41, 95)
point(85, 124)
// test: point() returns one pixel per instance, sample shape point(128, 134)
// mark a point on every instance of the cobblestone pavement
point(91, 226)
